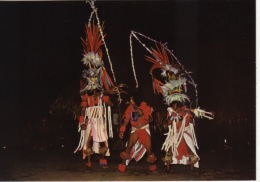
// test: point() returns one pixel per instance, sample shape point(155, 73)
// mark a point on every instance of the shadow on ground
point(59, 164)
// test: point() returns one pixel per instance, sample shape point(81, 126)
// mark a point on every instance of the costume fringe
point(110, 126)
point(173, 138)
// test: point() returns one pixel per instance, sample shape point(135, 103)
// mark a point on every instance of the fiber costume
point(140, 140)
point(95, 123)
point(95, 106)
point(180, 144)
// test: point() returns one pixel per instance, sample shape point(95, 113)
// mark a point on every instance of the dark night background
point(41, 52)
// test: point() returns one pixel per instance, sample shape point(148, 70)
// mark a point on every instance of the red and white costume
point(96, 115)
point(181, 137)
point(139, 149)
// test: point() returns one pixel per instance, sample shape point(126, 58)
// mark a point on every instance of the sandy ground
point(63, 165)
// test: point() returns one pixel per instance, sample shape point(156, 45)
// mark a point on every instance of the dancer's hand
point(83, 126)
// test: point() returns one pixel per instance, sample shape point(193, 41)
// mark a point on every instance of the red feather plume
point(93, 40)
point(157, 86)
point(160, 57)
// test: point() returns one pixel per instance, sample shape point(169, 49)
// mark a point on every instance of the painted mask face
point(93, 83)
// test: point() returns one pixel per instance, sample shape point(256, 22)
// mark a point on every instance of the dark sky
point(41, 49)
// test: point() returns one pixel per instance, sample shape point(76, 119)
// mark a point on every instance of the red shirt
point(128, 115)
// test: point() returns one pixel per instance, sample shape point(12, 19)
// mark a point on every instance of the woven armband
point(122, 129)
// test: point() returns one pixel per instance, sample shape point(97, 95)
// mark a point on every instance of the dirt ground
point(61, 164)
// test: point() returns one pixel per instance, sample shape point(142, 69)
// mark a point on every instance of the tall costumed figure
point(95, 123)
point(180, 145)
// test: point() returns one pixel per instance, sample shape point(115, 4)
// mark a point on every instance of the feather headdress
point(172, 89)
point(95, 75)
point(92, 43)
point(172, 85)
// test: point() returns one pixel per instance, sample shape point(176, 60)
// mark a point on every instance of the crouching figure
point(139, 141)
